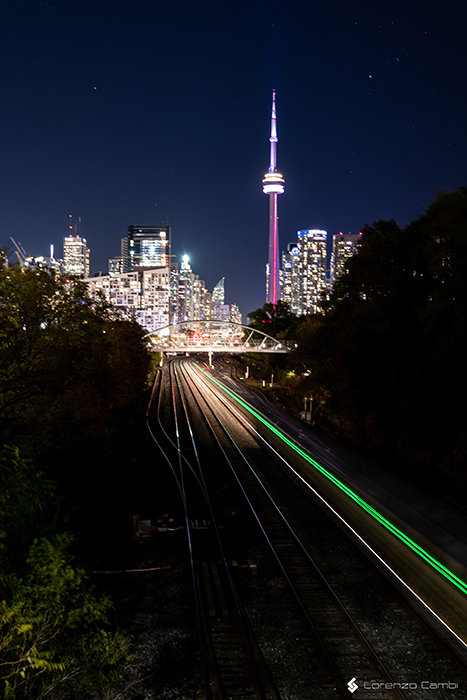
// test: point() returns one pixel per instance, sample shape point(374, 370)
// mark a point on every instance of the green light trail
point(443, 570)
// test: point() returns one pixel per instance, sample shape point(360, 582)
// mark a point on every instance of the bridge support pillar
point(161, 362)
point(210, 357)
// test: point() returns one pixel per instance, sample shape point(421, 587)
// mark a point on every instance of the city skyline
point(309, 267)
point(157, 113)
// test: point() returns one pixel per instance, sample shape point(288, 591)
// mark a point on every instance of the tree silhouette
point(390, 351)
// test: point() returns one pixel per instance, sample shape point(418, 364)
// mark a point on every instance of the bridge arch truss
point(214, 337)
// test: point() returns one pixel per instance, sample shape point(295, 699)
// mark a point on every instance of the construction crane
point(20, 252)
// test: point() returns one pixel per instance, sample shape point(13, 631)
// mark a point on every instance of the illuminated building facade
point(304, 282)
point(122, 292)
point(344, 245)
point(115, 266)
point(220, 312)
point(154, 311)
point(76, 256)
point(218, 293)
point(192, 299)
point(160, 296)
point(145, 246)
point(273, 185)
point(141, 295)
point(288, 275)
point(236, 317)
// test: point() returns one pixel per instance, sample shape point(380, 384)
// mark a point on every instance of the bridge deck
point(240, 349)
point(214, 336)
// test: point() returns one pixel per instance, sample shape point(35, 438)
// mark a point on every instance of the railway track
point(210, 454)
point(232, 662)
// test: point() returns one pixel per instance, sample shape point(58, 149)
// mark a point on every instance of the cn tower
point(273, 184)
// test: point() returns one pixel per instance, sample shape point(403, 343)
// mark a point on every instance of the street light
point(308, 414)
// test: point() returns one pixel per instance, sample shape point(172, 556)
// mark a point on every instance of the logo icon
point(352, 686)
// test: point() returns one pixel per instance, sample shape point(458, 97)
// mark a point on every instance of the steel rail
point(417, 549)
point(205, 641)
point(248, 637)
point(151, 432)
point(176, 446)
point(181, 486)
point(364, 641)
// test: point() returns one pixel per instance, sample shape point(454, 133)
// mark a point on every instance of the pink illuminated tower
point(273, 184)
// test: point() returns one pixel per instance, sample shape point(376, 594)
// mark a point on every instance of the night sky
point(138, 112)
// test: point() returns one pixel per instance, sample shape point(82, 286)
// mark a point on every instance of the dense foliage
point(71, 380)
point(274, 319)
point(386, 364)
point(389, 356)
point(68, 373)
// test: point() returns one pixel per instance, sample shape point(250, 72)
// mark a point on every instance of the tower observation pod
point(273, 184)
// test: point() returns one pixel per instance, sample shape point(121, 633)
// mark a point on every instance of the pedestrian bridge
point(214, 337)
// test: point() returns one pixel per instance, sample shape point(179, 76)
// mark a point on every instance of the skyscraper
point(344, 245)
point(273, 184)
point(146, 246)
point(193, 301)
point(219, 310)
point(304, 272)
point(75, 256)
point(218, 293)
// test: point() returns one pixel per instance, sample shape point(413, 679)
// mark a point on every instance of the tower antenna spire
point(273, 138)
point(273, 184)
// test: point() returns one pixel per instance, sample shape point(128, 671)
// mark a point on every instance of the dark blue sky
point(132, 112)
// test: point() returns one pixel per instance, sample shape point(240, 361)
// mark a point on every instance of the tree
point(27, 504)
point(71, 380)
point(390, 349)
point(69, 373)
point(274, 319)
point(54, 631)
point(39, 317)
point(53, 628)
